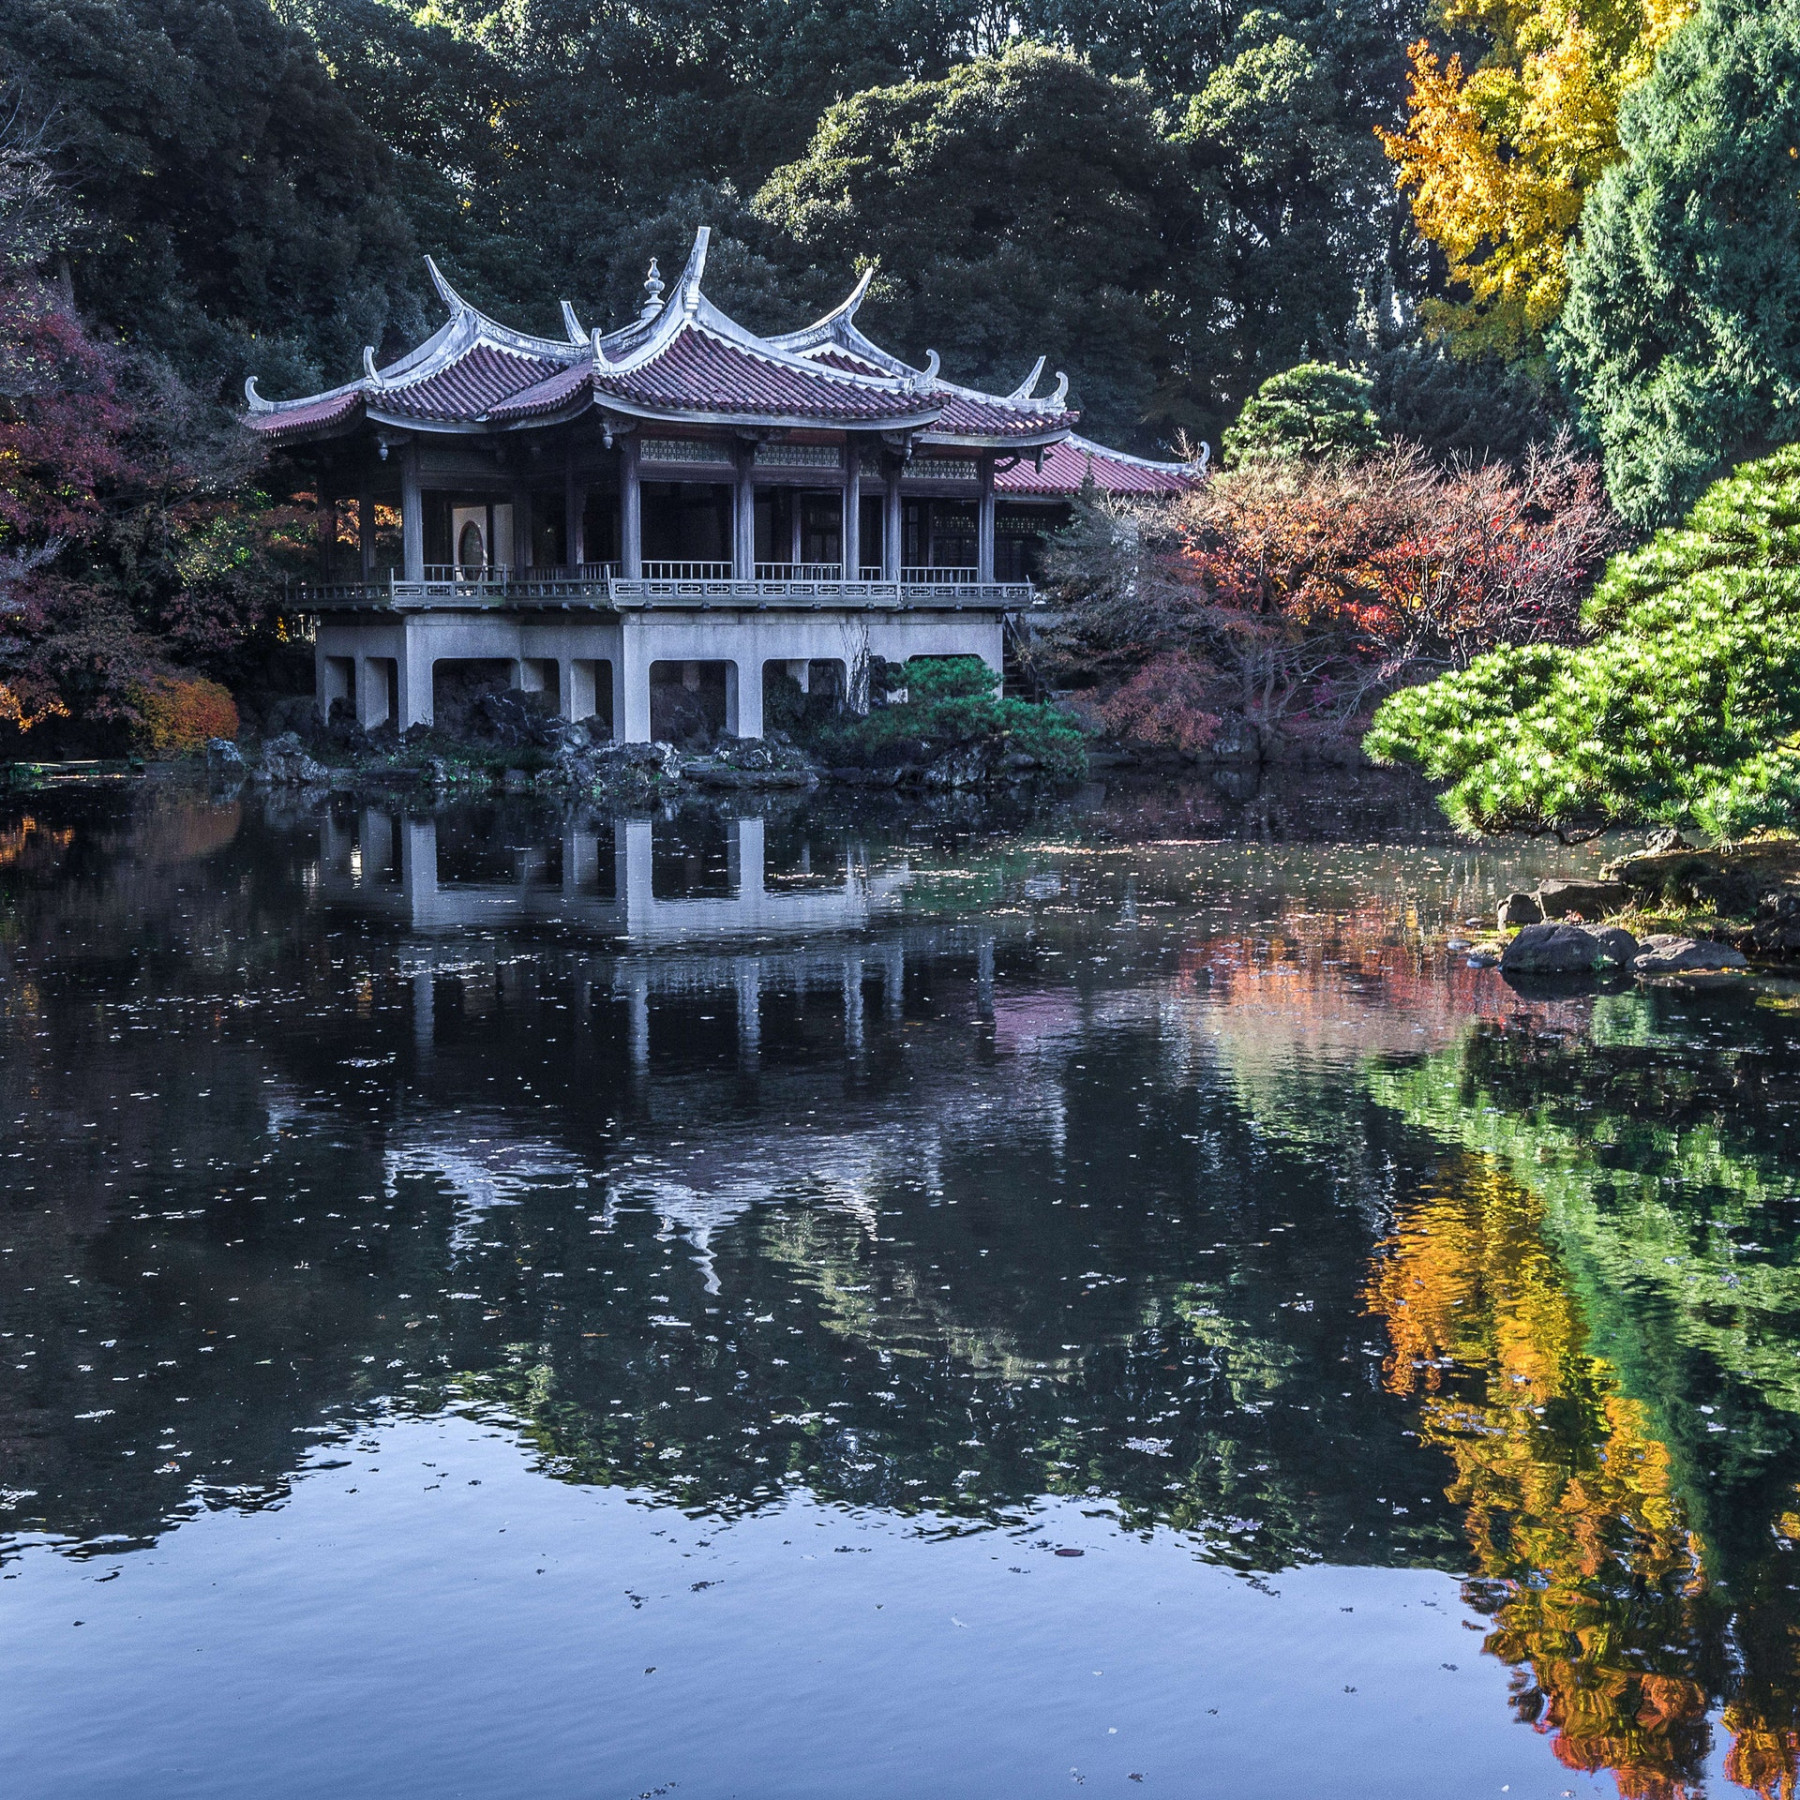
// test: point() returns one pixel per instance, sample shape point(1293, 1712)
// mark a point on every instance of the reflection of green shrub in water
point(1665, 1195)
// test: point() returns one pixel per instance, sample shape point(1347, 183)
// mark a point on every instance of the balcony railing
point(604, 587)
point(796, 571)
point(687, 571)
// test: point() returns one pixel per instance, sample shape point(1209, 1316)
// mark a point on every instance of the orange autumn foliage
point(1583, 1556)
point(177, 714)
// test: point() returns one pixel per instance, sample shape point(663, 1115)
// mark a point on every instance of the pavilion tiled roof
point(468, 387)
point(686, 359)
point(1067, 466)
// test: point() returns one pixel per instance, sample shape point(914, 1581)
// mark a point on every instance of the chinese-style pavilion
point(622, 507)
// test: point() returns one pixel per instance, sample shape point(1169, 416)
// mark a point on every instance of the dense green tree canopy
point(1686, 711)
point(1682, 331)
point(228, 194)
point(1018, 203)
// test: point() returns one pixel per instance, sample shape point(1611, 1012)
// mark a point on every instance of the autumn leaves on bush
point(1296, 591)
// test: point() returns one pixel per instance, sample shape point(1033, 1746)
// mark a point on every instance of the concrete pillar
point(374, 685)
point(574, 505)
point(746, 852)
point(418, 866)
point(365, 531)
point(416, 662)
point(890, 523)
point(744, 697)
point(743, 516)
point(631, 687)
point(851, 536)
point(631, 529)
point(412, 515)
point(637, 999)
point(632, 845)
point(749, 1012)
point(853, 1003)
point(424, 1004)
point(801, 673)
point(984, 523)
point(581, 867)
point(376, 830)
point(575, 687)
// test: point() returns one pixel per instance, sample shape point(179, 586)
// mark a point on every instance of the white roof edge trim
point(833, 327)
point(1088, 447)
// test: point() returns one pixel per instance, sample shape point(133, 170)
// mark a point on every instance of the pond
point(876, 1300)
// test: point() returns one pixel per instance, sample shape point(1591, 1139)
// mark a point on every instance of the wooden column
point(574, 505)
point(851, 537)
point(412, 515)
point(365, 531)
point(326, 523)
point(795, 496)
point(521, 538)
point(743, 515)
point(890, 523)
point(631, 524)
point(984, 523)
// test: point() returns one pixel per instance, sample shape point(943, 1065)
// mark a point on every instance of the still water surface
point(871, 1302)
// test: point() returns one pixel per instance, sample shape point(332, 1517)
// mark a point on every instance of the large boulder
point(1777, 928)
point(1665, 954)
point(224, 758)
point(1582, 899)
point(1520, 909)
point(285, 763)
point(1552, 950)
point(969, 765)
point(1617, 946)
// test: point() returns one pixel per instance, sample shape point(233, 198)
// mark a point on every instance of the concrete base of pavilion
point(385, 666)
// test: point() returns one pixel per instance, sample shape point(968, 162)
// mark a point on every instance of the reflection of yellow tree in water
point(1582, 1554)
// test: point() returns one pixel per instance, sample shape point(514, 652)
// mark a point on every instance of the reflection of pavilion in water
point(778, 936)
point(601, 879)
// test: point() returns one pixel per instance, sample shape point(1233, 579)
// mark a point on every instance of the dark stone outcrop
point(1582, 899)
point(1668, 955)
point(285, 763)
point(1520, 909)
point(1552, 950)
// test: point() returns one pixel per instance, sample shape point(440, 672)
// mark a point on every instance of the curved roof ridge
point(1088, 447)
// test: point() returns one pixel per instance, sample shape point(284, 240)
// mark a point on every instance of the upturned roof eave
point(1055, 434)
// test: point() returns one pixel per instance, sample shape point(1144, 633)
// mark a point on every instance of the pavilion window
point(821, 528)
point(600, 526)
point(952, 536)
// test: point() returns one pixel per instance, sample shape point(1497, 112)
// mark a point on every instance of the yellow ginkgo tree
point(1497, 160)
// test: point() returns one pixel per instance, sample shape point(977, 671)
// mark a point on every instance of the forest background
point(1174, 200)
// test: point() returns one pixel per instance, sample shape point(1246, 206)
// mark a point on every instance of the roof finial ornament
point(600, 361)
point(371, 374)
point(929, 374)
point(254, 400)
point(653, 292)
point(1024, 390)
point(572, 325)
point(1059, 393)
point(696, 267)
point(450, 297)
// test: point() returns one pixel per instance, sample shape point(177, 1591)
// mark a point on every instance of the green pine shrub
point(1313, 409)
point(1685, 712)
point(952, 702)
